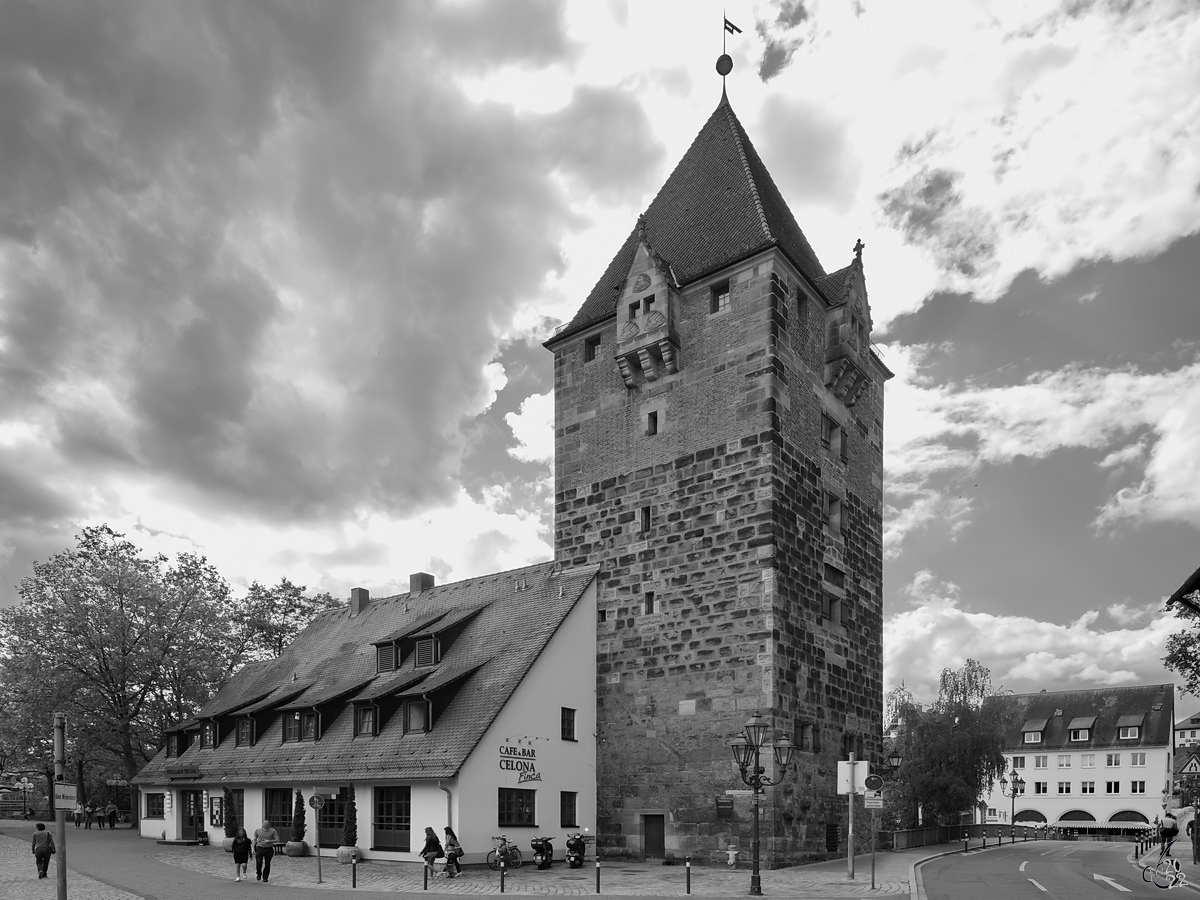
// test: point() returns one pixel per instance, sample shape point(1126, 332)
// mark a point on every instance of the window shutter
point(426, 652)
point(385, 657)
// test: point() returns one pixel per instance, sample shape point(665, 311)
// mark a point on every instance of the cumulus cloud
point(1023, 654)
point(264, 252)
point(1147, 423)
point(533, 426)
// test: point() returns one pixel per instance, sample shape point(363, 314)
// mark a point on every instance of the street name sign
point(65, 796)
point(733, 793)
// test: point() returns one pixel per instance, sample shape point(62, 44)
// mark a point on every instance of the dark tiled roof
point(276, 698)
point(718, 206)
point(1183, 595)
point(836, 285)
point(1111, 707)
point(487, 661)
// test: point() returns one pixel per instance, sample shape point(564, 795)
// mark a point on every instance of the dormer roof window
point(427, 652)
point(385, 658)
point(1032, 730)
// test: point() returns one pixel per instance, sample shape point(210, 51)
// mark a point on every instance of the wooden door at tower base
point(654, 832)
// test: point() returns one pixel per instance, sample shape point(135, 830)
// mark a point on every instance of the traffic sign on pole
point(316, 801)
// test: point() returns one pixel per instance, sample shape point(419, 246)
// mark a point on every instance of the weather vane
point(725, 61)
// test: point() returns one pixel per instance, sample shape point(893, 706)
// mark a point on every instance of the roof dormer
point(647, 303)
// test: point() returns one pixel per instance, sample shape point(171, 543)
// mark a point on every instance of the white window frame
point(1042, 762)
point(1087, 760)
point(1129, 732)
point(1138, 760)
point(1079, 734)
point(1064, 760)
point(1033, 737)
point(1112, 760)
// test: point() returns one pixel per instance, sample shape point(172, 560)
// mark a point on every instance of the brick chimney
point(419, 581)
point(359, 598)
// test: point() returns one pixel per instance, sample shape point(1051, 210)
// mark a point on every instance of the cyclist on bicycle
point(1170, 831)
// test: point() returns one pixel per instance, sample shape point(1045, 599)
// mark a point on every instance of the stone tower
point(718, 452)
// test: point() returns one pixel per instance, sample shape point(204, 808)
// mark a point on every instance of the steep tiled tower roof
point(718, 206)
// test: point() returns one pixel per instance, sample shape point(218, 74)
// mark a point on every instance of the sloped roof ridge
point(1098, 690)
point(476, 579)
point(741, 149)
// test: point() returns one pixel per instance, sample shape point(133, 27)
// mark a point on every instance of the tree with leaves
point(953, 752)
point(1183, 648)
point(270, 617)
point(122, 642)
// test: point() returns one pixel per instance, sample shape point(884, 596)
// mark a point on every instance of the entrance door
point(191, 815)
point(655, 830)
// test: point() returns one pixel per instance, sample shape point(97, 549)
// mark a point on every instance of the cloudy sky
point(274, 279)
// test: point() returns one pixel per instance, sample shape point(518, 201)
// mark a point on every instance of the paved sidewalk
point(123, 866)
point(1182, 851)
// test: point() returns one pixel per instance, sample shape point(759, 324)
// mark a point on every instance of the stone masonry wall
point(734, 556)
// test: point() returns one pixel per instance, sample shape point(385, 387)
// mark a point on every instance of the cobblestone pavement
point(616, 878)
point(123, 866)
point(18, 875)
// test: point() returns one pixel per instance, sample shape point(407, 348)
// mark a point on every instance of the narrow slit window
point(651, 424)
point(648, 603)
point(591, 348)
point(645, 519)
point(719, 298)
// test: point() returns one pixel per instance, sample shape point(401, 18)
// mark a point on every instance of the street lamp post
point(1018, 788)
point(746, 751)
point(26, 786)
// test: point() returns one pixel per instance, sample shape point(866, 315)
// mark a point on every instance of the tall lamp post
point(746, 754)
point(25, 786)
point(1018, 788)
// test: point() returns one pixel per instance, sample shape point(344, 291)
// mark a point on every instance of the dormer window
point(366, 721)
point(427, 652)
point(172, 745)
point(1079, 734)
point(1080, 728)
point(385, 658)
point(1033, 737)
point(244, 733)
point(291, 726)
point(308, 726)
point(208, 735)
point(416, 716)
point(1129, 733)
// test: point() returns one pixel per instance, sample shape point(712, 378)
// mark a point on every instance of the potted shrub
point(296, 846)
point(347, 853)
point(230, 817)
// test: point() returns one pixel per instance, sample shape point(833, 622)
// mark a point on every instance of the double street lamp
point(1018, 788)
point(25, 786)
point(746, 751)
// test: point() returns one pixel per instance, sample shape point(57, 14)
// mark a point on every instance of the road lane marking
point(1036, 885)
point(1048, 852)
point(1023, 865)
point(1111, 883)
point(1069, 852)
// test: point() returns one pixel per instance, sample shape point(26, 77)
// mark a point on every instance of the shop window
point(568, 724)
point(331, 818)
point(208, 735)
point(291, 726)
point(243, 734)
point(392, 828)
point(277, 809)
point(216, 811)
point(416, 716)
point(365, 721)
point(591, 348)
point(568, 806)
point(385, 658)
point(156, 806)
point(515, 808)
point(427, 652)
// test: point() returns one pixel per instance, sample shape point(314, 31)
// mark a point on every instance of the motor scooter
point(543, 852)
point(576, 846)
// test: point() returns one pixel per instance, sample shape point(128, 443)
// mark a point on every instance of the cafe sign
point(522, 760)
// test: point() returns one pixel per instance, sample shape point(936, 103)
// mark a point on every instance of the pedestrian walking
point(43, 846)
point(88, 812)
point(241, 854)
point(432, 850)
point(78, 814)
point(111, 811)
point(265, 839)
point(454, 853)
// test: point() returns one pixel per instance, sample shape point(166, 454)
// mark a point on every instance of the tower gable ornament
point(647, 344)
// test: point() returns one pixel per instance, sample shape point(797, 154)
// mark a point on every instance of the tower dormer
point(647, 306)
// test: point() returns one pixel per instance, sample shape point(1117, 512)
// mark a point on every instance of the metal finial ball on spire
point(724, 64)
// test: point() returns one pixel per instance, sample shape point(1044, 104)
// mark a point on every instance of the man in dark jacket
point(43, 846)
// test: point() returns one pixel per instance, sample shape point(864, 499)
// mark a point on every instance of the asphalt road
point(1041, 870)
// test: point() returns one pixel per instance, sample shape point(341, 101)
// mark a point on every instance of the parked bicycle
point(510, 853)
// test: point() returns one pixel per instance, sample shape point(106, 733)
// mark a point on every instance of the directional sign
point(1192, 767)
point(64, 796)
point(873, 802)
point(316, 801)
point(732, 793)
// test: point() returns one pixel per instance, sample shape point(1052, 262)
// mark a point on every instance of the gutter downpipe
point(448, 807)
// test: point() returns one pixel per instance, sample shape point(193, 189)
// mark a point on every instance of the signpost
point(873, 800)
point(316, 801)
point(65, 796)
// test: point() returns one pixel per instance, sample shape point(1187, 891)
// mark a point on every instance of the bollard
point(354, 871)
point(425, 877)
point(502, 867)
point(985, 839)
point(687, 861)
point(597, 875)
